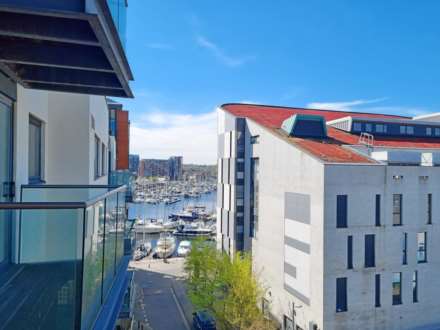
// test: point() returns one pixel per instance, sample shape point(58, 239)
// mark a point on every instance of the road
point(161, 302)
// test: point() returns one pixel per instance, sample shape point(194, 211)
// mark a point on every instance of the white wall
point(68, 135)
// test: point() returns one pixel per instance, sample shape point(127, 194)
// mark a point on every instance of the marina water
point(163, 211)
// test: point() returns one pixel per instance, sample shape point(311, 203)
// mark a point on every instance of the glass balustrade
point(66, 249)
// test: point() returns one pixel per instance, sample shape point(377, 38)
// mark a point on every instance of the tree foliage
point(225, 287)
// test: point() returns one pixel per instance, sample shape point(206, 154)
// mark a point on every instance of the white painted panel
point(296, 257)
point(227, 144)
point(297, 230)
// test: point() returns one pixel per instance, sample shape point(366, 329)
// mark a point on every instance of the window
point(402, 129)
point(288, 323)
point(368, 127)
point(254, 196)
point(255, 139)
point(437, 131)
point(414, 286)
point(357, 127)
point(409, 130)
point(341, 211)
point(377, 291)
point(350, 252)
point(102, 159)
point(429, 215)
point(370, 254)
point(428, 130)
point(341, 294)
point(377, 210)
point(381, 128)
point(97, 156)
point(421, 247)
point(397, 209)
point(404, 248)
point(397, 288)
point(35, 156)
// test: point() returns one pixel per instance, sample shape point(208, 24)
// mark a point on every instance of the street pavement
point(161, 301)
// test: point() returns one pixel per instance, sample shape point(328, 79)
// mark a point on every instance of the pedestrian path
point(162, 301)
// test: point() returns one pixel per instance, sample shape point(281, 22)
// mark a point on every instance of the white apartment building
point(339, 210)
point(60, 138)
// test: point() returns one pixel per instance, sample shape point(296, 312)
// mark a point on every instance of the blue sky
point(190, 56)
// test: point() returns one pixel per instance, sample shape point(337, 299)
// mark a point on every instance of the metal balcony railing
point(61, 250)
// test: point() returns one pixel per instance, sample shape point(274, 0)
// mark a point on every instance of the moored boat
point(166, 245)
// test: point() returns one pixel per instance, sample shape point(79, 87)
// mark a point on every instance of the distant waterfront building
point(133, 162)
point(175, 168)
point(171, 168)
point(154, 167)
point(339, 212)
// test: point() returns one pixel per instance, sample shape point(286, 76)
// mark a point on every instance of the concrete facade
point(299, 253)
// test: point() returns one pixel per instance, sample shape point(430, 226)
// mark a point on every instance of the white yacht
point(149, 227)
point(184, 248)
point(193, 229)
point(166, 245)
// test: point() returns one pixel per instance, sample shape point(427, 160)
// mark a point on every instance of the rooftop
point(330, 149)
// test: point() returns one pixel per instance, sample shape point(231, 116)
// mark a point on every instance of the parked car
point(202, 320)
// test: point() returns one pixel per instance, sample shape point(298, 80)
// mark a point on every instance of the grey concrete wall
point(286, 169)
point(361, 184)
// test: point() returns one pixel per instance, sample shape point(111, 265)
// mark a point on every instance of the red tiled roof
point(331, 149)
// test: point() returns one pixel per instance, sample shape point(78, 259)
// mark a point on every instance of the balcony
point(70, 46)
point(64, 252)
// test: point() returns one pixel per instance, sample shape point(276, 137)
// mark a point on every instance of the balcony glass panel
point(121, 225)
point(61, 257)
point(39, 284)
point(109, 242)
point(93, 263)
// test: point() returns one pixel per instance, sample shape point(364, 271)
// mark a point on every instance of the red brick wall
point(122, 139)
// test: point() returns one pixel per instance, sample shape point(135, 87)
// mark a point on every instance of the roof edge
point(314, 109)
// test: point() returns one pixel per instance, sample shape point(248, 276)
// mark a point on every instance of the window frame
point(424, 250)
point(341, 295)
point(97, 157)
point(341, 211)
point(399, 212)
point(397, 298)
point(429, 215)
point(377, 290)
point(405, 249)
point(415, 286)
point(370, 251)
point(39, 125)
point(350, 252)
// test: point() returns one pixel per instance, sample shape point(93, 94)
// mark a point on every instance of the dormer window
point(428, 131)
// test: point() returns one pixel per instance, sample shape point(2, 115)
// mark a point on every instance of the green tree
point(225, 287)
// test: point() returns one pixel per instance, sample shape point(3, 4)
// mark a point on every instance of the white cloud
point(363, 105)
point(342, 106)
point(161, 135)
point(160, 46)
point(220, 54)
